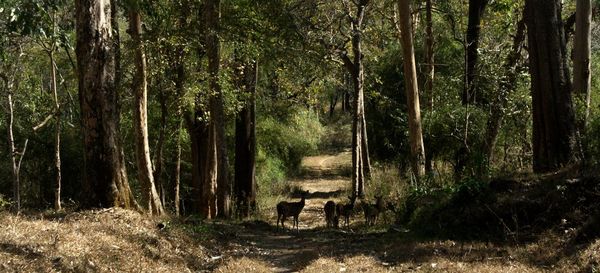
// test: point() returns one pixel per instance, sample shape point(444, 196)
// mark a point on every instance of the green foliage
point(283, 142)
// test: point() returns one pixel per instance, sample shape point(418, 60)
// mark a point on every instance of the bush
point(282, 143)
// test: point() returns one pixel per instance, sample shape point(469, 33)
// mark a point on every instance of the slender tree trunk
point(14, 154)
point(57, 164)
point(476, 9)
point(581, 52)
point(150, 198)
point(506, 86)
point(430, 72)
point(412, 92)
point(245, 145)
point(159, 167)
point(553, 116)
point(177, 175)
point(105, 182)
point(212, 15)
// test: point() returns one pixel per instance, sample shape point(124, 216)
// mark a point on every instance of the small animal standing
point(345, 210)
point(373, 211)
point(331, 215)
point(286, 209)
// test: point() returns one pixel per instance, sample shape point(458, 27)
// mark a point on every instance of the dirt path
point(290, 251)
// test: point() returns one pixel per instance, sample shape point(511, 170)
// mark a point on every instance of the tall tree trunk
point(203, 165)
point(245, 144)
point(16, 156)
point(476, 9)
point(506, 86)
point(159, 167)
point(177, 176)
point(150, 198)
point(57, 164)
point(417, 149)
point(104, 181)
point(430, 72)
point(356, 70)
point(581, 52)
point(212, 15)
point(553, 116)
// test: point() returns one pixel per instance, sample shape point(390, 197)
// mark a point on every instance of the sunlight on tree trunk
point(415, 134)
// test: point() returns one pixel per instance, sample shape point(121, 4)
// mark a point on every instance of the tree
point(430, 67)
point(150, 198)
point(245, 141)
point(104, 183)
point(417, 149)
point(553, 116)
point(506, 86)
point(581, 51)
point(360, 156)
point(476, 9)
point(212, 15)
point(11, 83)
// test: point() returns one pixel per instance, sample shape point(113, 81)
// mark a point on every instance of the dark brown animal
point(345, 210)
point(373, 211)
point(286, 209)
point(331, 215)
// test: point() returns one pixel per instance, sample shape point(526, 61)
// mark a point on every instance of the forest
point(299, 136)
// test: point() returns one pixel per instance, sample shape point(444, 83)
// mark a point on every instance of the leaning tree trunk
point(417, 150)
point(212, 15)
point(553, 116)
point(581, 52)
point(507, 85)
point(150, 198)
point(476, 9)
point(245, 144)
point(104, 181)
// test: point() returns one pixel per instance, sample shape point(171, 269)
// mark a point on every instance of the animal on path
point(372, 211)
point(331, 215)
point(346, 210)
point(286, 209)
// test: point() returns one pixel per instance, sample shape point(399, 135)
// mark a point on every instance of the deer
point(373, 211)
point(286, 209)
point(346, 209)
point(331, 215)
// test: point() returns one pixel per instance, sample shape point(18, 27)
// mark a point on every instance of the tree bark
point(476, 9)
point(356, 69)
point(506, 86)
point(430, 72)
point(417, 149)
point(581, 52)
point(245, 144)
point(177, 176)
point(159, 167)
point(104, 181)
point(212, 15)
point(57, 164)
point(203, 165)
point(150, 198)
point(553, 115)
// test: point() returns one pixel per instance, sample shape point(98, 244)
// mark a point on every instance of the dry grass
point(113, 240)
